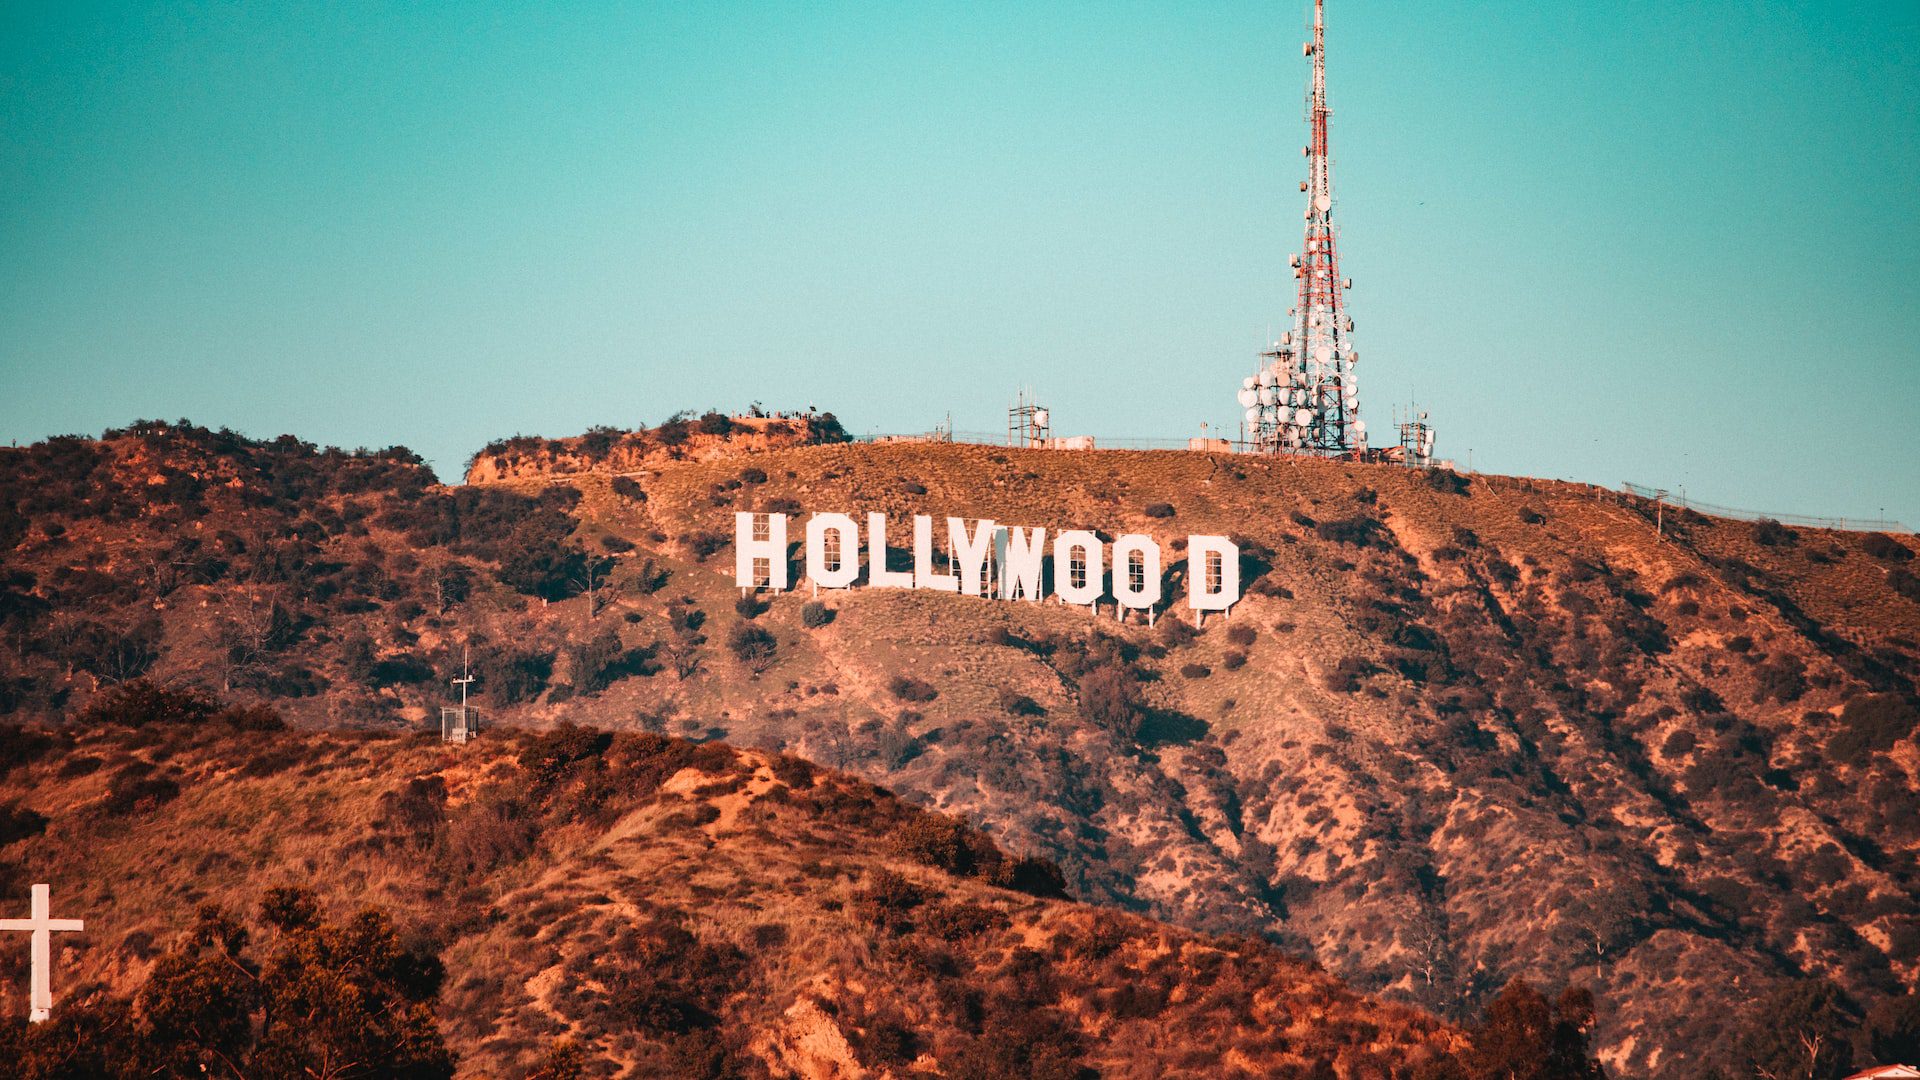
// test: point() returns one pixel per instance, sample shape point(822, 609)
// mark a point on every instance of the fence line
point(988, 438)
point(1713, 510)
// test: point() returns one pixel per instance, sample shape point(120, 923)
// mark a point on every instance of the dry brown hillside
point(669, 909)
point(1462, 730)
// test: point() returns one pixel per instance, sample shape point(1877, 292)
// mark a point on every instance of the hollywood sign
point(987, 559)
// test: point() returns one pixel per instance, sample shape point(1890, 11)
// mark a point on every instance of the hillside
point(667, 908)
point(1462, 730)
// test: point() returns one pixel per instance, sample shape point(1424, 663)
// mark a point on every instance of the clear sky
point(1674, 243)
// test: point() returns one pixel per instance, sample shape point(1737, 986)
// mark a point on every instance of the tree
point(1893, 1029)
point(1801, 1032)
point(451, 583)
point(1525, 1037)
point(334, 1000)
point(587, 577)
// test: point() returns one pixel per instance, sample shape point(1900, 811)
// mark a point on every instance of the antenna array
point(1304, 399)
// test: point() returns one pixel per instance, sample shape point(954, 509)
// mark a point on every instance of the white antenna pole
point(463, 680)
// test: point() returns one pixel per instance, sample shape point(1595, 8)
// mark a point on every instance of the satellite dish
point(1303, 417)
point(1322, 203)
point(1247, 383)
point(1247, 397)
point(1323, 355)
point(1253, 417)
point(1266, 395)
point(1041, 417)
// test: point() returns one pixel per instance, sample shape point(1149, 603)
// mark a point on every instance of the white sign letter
point(924, 576)
point(1136, 572)
point(1020, 552)
point(751, 547)
point(1079, 571)
point(878, 575)
point(844, 566)
point(1213, 573)
point(970, 553)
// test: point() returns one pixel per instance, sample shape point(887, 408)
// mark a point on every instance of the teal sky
point(1673, 243)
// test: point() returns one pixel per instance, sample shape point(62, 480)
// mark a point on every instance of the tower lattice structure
point(1303, 398)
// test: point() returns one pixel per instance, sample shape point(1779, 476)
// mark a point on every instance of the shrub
point(1234, 661)
point(1445, 481)
point(753, 475)
point(1346, 675)
point(1358, 531)
point(1531, 516)
point(18, 823)
point(826, 428)
point(814, 615)
point(1110, 699)
point(907, 688)
point(1158, 510)
point(704, 544)
point(1195, 671)
point(1882, 546)
point(251, 718)
point(1783, 679)
point(1679, 743)
point(749, 606)
point(552, 755)
point(628, 488)
point(331, 993)
point(510, 676)
point(1176, 632)
point(752, 646)
point(134, 787)
point(1871, 724)
point(715, 422)
point(1017, 704)
point(914, 487)
point(945, 843)
point(601, 661)
point(1771, 533)
point(139, 703)
point(1242, 635)
point(673, 431)
point(22, 746)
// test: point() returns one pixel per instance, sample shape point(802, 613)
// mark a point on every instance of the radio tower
point(1302, 400)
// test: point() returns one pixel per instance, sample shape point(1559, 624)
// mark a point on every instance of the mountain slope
point(1462, 730)
point(668, 908)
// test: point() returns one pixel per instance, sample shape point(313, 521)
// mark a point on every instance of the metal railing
point(1803, 520)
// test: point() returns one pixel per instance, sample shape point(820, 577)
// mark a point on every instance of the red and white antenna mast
point(1303, 399)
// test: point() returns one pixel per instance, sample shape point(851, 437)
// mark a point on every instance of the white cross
point(40, 990)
